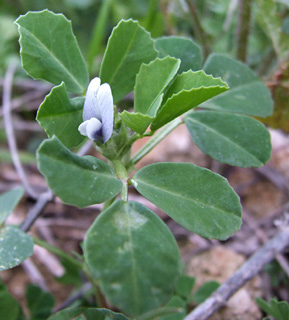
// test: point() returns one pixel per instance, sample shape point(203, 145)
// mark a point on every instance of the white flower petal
point(93, 129)
point(82, 128)
point(91, 105)
point(105, 101)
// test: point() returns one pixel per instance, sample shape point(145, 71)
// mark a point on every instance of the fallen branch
point(246, 272)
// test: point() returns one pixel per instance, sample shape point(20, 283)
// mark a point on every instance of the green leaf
point(230, 138)
point(128, 47)
point(196, 198)
point(177, 303)
point(49, 50)
point(120, 250)
point(15, 247)
point(187, 91)
point(151, 81)
point(80, 181)
point(9, 307)
point(278, 309)
point(185, 286)
point(60, 116)
point(136, 121)
point(205, 291)
point(8, 202)
point(88, 313)
point(181, 48)
point(247, 94)
point(39, 302)
point(72, 274)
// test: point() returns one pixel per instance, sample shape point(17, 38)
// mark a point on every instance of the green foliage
point(8, 201)
point(80, 181)
point(181, 48)
point(39, 303)
point(151, 81)
point(87, 314)
point(128, 47)
point(230, 138)
point(60, 116)
point(49, 54)
point(187, 91)
point(9, 307)
point(15, 247)
point(278, 309)
point(198, 199)
point(120, 250)
point(247, 94)
point(205, 291)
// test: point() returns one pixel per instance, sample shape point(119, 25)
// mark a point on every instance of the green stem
point(243, 29)
point(121, 173)
point(158, 137)
point(59, 253)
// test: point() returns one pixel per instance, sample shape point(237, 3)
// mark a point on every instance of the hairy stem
point(122, 174)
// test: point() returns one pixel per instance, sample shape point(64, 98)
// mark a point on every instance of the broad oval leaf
point(198, 199)
point(15, 247)
point(88, 313)
point(247, 94)
point(230, 138)
point(187, 91)
point(49, 50)
point(120, 250)
point(60, 116)
point(80, 181)
point(182, 48)
point(128, 47)
point(8, 201)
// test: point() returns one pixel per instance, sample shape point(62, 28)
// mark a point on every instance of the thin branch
point(7, 88)
point(243, 29)
point(246, 272)
point(198, 28)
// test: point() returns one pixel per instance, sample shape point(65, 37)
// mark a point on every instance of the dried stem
point(246, 272)
point(7, 88)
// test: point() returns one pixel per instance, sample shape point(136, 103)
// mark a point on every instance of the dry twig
point(246, 272)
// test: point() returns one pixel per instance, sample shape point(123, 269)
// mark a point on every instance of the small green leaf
point(49, 50)
point(9, 307)
point(177, 303)
point(151, 81)
point(196, 198)
point(120, 250)
point(185, 286)
point(136, 121)
point(39, 302)
point(278, 309)
point(128, 47)
point(15, 247)
point(88, 313)
point(60, 116)
point(205, 291)
point(80, 181)
point(230, 138)
point(182, 48)
point(8, 202)
point(247, 94)
point(187, 91)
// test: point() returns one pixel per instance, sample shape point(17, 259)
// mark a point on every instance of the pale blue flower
point(98, 112)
